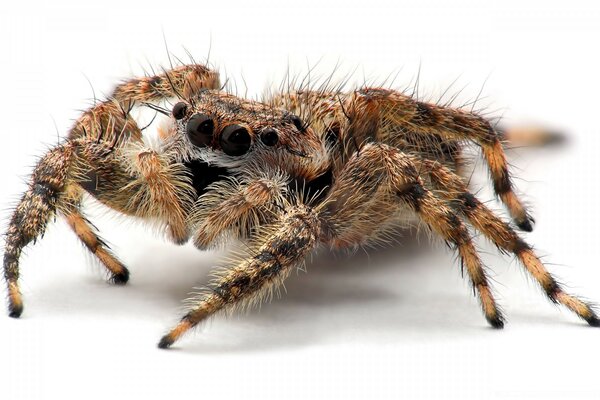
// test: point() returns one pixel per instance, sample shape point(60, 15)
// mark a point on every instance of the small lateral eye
point(269, 137)
point(200, 129)
point(235, 140)
point(179, 110)
point(294, 119)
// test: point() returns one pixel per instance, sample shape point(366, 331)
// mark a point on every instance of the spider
point(302, 169)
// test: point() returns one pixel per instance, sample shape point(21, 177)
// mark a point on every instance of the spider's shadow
point(395, 291)
point(405, 291)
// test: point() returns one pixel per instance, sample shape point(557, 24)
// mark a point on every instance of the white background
point(400, 323)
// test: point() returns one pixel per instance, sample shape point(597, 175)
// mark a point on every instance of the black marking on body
point(502, 184)
point(44, 190)
point(203, 174)
point(520, 246)
point(468, 201)
point(424, 112)
point(90, 184)
point(314, 190)
point(413, 195)
point(155, 81)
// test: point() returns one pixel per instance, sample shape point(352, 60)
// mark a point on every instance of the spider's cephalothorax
point(301, 169)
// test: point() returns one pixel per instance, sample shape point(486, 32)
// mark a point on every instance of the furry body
point(299, 170)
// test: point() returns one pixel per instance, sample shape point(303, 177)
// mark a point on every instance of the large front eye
point(200, 129)
point(235, 140)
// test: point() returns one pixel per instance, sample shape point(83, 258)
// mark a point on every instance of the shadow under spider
point(410, 289)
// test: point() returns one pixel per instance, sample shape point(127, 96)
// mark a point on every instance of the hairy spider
point(299, 170)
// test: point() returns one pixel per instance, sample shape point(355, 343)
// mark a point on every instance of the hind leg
point(504, 237)
point(381, 172)
point(378, 113)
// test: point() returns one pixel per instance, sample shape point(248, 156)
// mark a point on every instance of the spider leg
point(117, 168)
point(290, 240)
point(504, 237)
point(37, 205)
point(180, 82)
point(378, 113)
point(375, 181)
point(85, 231)
point(235, 206)
point(118, 172)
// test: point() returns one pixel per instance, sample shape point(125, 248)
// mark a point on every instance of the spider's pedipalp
point(235, 206)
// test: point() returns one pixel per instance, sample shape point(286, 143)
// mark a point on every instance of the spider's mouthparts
point(314, 189)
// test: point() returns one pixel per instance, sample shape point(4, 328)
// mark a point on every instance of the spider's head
point(248, 136)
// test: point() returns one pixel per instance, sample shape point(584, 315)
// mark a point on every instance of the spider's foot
point(525, 224)
point(120, 278)
point(15, 302)
point(182, 327)
point(15, 310)
point(496, 322)
point(165, 342)
point(593, 321)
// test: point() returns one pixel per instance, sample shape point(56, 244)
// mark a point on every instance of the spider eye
point(294, 119)
point(200, 129)
point(269, 137)
point(179, 110)
point(235, 140)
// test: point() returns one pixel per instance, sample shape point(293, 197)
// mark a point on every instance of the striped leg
point(292, 239)
point(37, 206)
point(183, 81)
point(119, 274)
point(384, 172)
point(503, 236)
point(380, 112)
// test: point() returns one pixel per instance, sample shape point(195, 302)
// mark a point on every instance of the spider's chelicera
point(300, 170)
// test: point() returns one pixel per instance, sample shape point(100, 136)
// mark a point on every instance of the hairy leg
point(384, 173)
point(44, 195)
point(378, 113)
point(100, 168)
point(503, 236)
point(85, 231)
point(284, 246)
point(184, 82)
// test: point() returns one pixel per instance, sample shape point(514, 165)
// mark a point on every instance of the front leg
point(293, 237)
point(183, 81)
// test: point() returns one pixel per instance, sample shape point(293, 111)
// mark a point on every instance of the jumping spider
point(297, 171)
